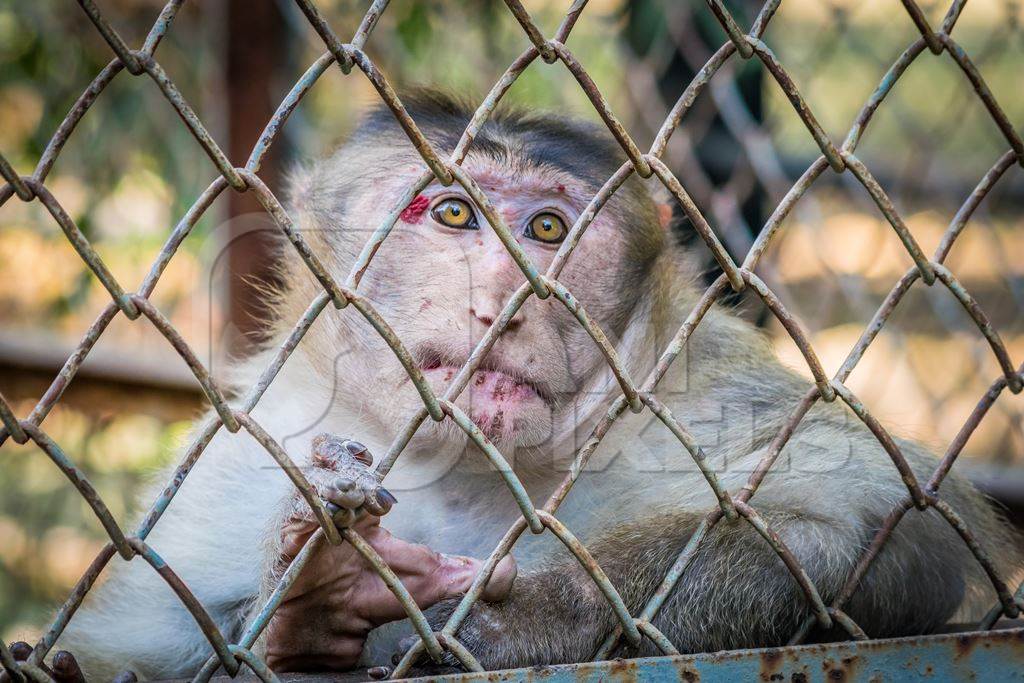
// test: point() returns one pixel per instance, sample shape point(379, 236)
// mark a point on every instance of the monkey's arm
point(133, 621)
point(735, 593)
point(556, 613)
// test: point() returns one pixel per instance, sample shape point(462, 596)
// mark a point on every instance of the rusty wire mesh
point(636, 397)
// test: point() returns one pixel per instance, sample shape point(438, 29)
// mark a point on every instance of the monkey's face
point(443, 276)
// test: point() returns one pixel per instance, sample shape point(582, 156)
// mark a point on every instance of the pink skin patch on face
point(414, 212)
point(495, 399)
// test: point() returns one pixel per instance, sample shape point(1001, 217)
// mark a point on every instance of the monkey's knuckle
point(434, 561)
point(337, 452)
point(299, 513)
point(368, 480)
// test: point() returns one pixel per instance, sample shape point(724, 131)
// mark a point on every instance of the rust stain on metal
point(771, 661)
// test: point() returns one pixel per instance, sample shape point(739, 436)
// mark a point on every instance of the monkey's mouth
point(499, 403)
point(491, 383)
point(495, 385)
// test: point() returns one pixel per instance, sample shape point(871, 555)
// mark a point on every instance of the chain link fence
point(637, 394)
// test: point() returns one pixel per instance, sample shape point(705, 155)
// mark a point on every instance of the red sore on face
point(414, 212)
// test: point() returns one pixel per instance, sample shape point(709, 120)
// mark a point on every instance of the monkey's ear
point(664, 214)
point(664, 205)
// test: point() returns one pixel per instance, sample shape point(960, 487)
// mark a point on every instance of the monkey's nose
point(487, 319)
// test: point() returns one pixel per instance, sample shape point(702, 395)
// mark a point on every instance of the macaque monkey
point(440, 280)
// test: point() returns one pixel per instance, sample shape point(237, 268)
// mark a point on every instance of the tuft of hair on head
point(510, 133)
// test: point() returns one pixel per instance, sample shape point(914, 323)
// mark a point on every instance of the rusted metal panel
point(989, 657)
point(979, 656)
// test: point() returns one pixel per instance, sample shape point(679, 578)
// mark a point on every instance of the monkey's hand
point(338, 598)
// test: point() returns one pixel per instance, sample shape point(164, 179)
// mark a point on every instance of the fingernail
point(386, 496)
point(126, 677)
point(378, 672)
point(65, 668)
point(373, 505)
point(346, 499)
point(358, 451)
point(21, 650)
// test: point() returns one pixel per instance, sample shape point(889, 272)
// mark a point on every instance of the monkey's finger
point(426, 575)
point(21, 651)
point(345, 494)
point(359, 452)
point(500, 584)
point(379, 502)
point(450, 576)
point(294, 535)
point(430, 576)
point(65, 668)
point(331, 448)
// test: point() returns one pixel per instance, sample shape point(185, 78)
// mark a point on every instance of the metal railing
point(635, 396)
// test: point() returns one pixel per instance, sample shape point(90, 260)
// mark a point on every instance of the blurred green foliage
point(49, 533)
point(128, 171)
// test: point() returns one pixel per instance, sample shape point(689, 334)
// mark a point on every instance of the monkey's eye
point(455, 213)
point(546, 227)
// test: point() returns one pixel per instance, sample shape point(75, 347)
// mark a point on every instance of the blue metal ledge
point(989, 657)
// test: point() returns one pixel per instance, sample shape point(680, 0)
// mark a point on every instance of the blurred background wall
point(131, 170)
